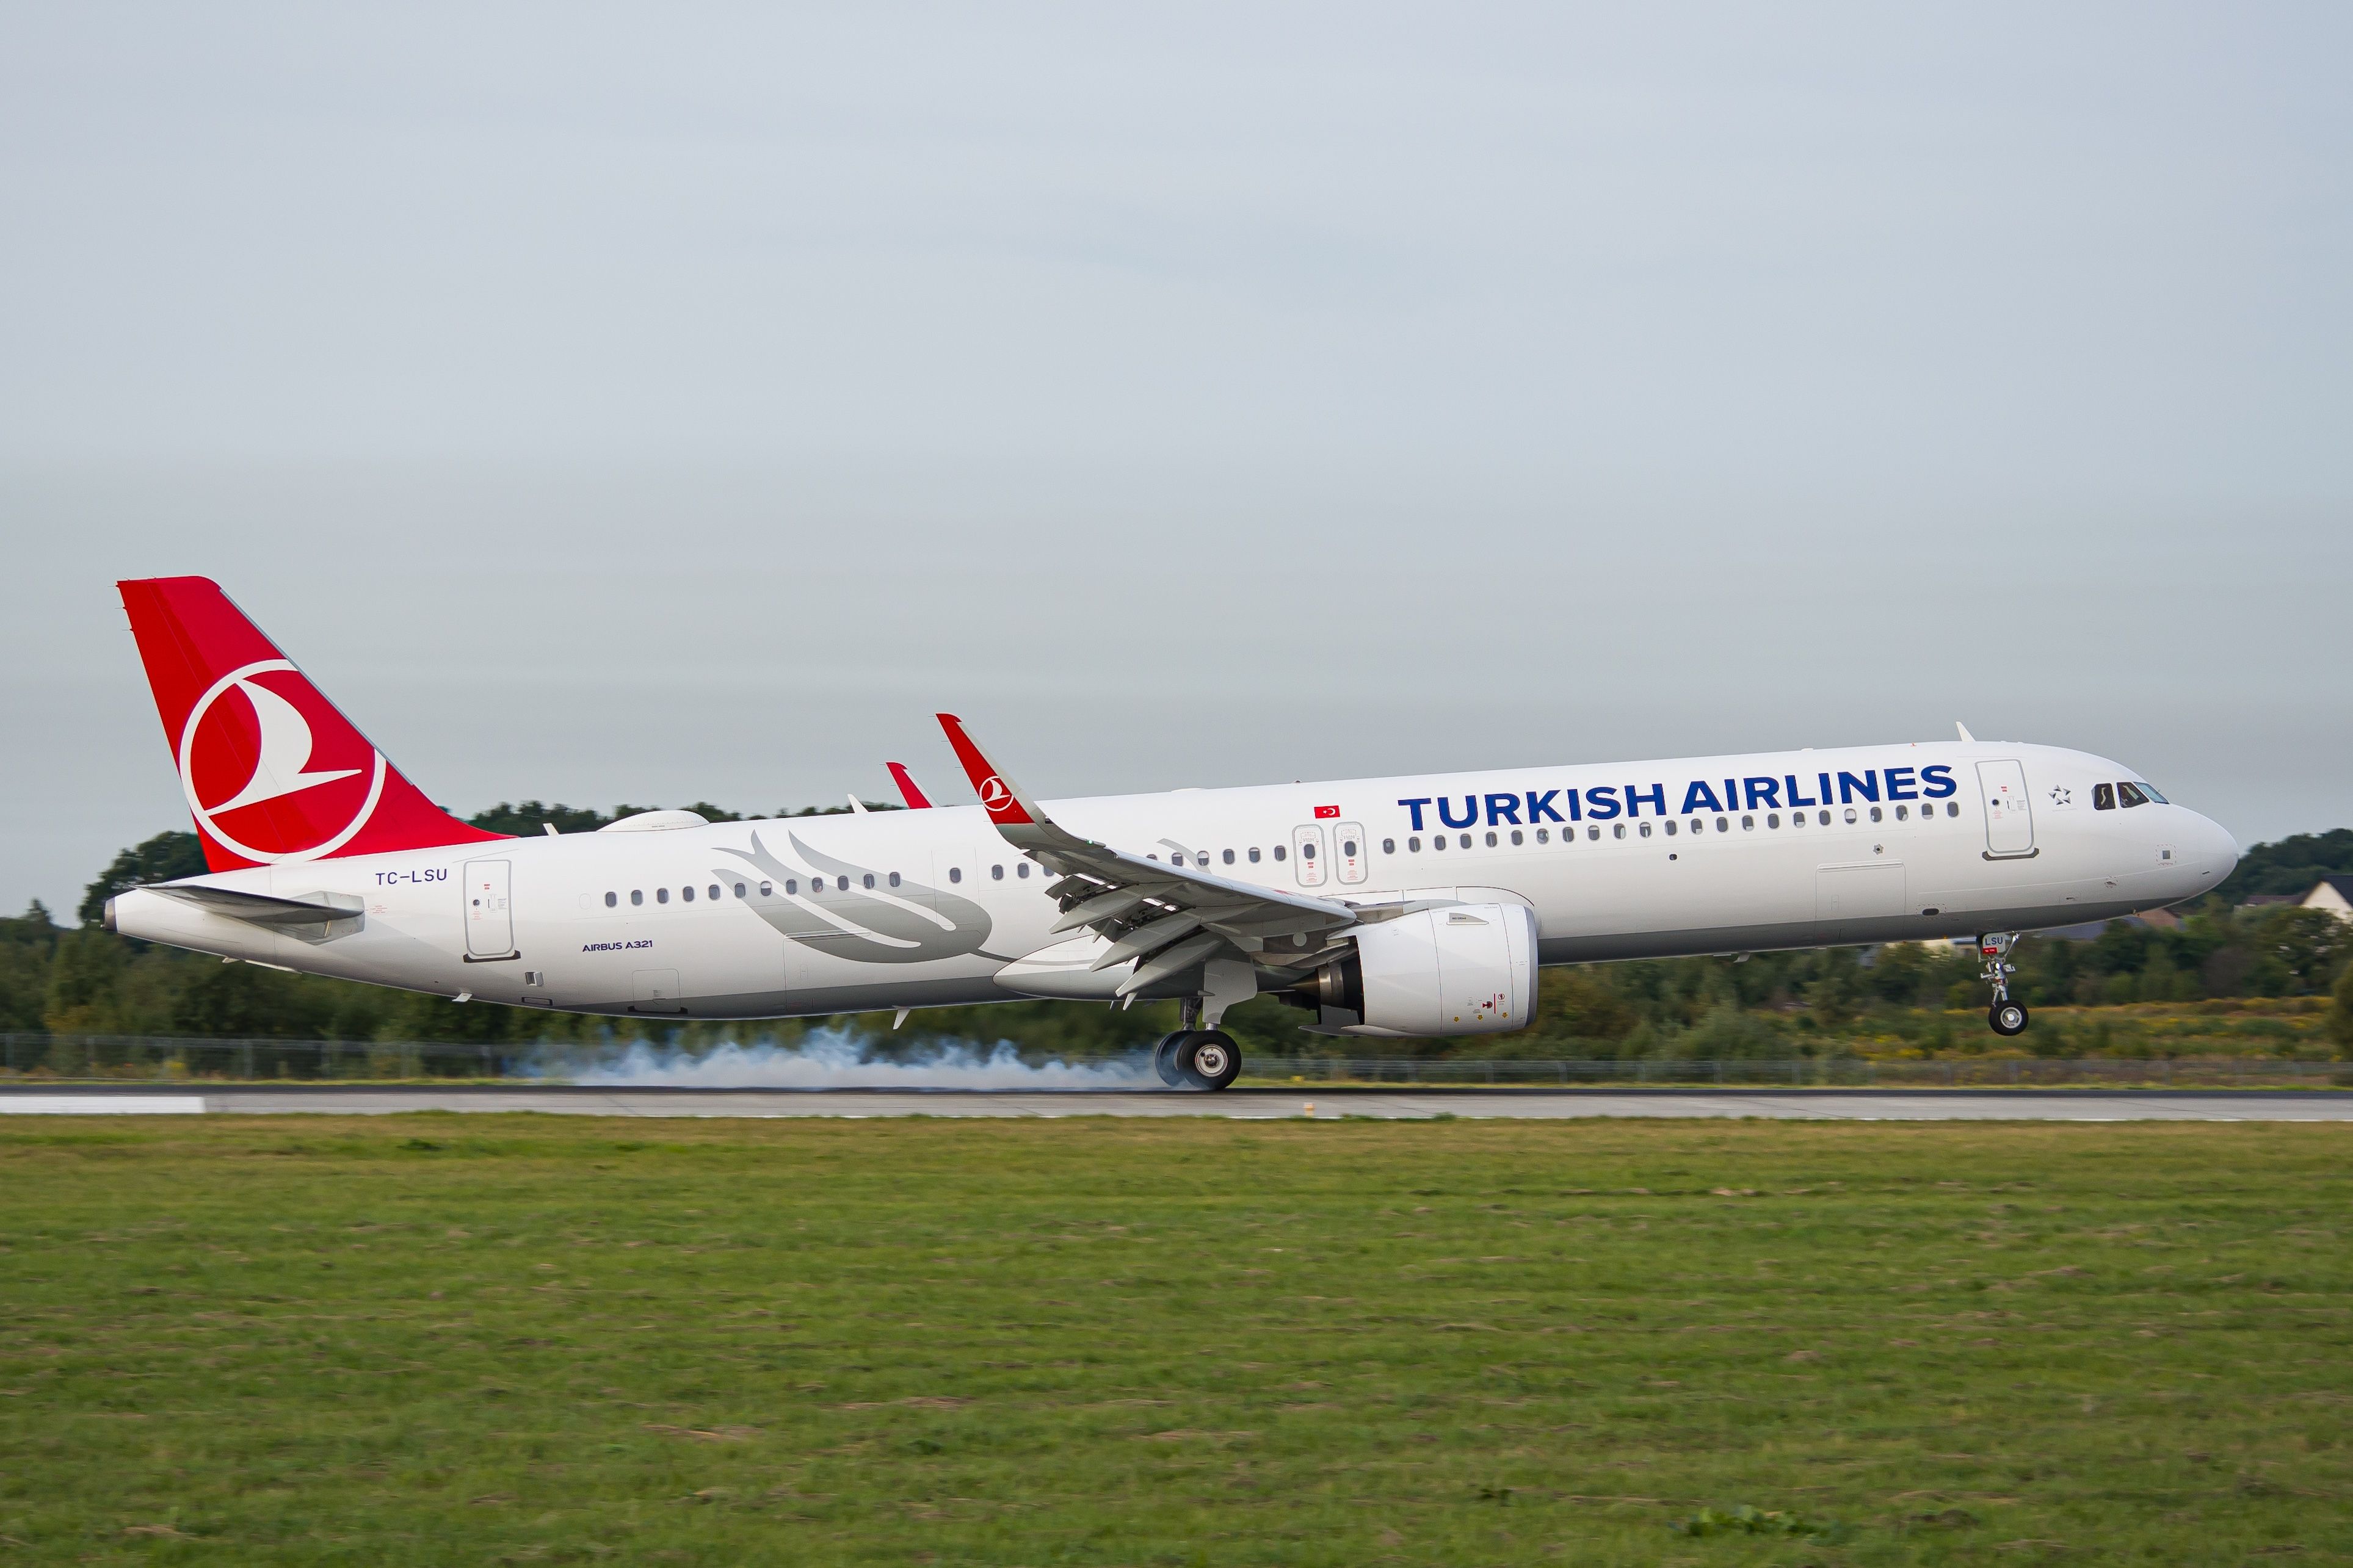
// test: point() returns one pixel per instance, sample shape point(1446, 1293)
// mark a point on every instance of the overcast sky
point(650, 404)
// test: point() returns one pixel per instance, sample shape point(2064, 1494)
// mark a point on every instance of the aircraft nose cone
point(2222, 851)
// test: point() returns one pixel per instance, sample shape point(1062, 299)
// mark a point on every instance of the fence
point(135, 1057)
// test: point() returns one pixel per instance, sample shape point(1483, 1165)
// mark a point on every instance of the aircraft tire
point(2008, 1018)
point(1209, 1058)
point(1163, 1059)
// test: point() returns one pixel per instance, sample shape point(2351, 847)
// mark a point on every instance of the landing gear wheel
point(1209, 1058)
point(1163, 1059)
point(2008, 1018)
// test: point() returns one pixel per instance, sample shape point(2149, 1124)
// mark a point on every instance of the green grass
point(479, 1339)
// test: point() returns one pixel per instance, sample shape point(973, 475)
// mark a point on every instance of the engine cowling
point(1463, 969)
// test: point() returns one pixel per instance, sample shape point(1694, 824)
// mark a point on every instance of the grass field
point(510, 1340)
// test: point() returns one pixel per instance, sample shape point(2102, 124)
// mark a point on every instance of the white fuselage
point(775, 917)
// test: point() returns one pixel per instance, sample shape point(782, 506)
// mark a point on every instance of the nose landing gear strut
point(2008, 1017)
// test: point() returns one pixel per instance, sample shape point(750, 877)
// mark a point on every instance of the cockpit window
point(2135, 794)
point(2104, 797)
point(2149, 790)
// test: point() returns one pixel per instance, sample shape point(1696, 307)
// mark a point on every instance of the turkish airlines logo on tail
point(994, 792)
point(250, 743)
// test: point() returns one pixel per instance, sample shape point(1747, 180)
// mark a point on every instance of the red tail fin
point(271, 771)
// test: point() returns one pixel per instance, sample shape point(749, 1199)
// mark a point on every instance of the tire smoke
point(829, 1060)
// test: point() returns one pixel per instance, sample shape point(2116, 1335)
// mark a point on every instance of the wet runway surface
point(1825, 1105)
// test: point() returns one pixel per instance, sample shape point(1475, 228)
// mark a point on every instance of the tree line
point(80, 979)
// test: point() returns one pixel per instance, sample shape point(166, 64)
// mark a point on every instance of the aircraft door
point(489, 920)
point(1307, 857)
point(2008, 814)
point(1352, 857)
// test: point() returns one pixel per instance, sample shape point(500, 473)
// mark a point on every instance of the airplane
point(1408, 907)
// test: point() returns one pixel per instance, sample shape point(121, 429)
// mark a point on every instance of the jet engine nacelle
point(1463, 969)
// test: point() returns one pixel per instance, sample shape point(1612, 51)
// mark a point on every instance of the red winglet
point(1006, 804)
point(908, 790)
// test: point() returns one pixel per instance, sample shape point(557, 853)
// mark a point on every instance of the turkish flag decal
point(1322, 812)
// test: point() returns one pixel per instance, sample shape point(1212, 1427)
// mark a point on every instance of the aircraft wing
point(1168, 917)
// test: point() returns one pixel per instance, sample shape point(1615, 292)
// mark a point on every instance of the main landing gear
point(1195, 1058)
point(1198, 1058)
point(2008, 1017)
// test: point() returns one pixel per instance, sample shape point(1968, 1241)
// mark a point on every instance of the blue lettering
point(1699, 797)
point(1540, 806)
point(1469, 812)
point(1938, 780)
point(1796, 798)
point(1849, 786)
point(1899, 785)
point(1603, 801)
point(1656, 794)
point(1575, 811)
point(1762, 792)
point(1826, 786)
point(1415, 807)
point(1502, 808)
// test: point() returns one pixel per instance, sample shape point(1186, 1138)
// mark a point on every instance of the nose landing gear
point(2008, 1017)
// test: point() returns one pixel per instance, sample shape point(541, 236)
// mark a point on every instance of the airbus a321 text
point(1386, 906)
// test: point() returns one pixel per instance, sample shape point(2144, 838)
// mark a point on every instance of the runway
point(1240, 1104)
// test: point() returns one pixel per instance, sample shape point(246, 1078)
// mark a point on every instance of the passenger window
point(661, 895)
point(868, 879)
point(1724, 825)
point(1874, 814)
point(1202, 859)
point(1901, 813)
point(1388, 846)
point(1952, 808)
point(1278, 851)
point(739, 890)
point(1226, 855)
point(841, 884)
point(956, 873)
point(1748, 823)
point(1437, 841)
point(767, 889)
point(1021, 869)
point(1850, 814)
point(1515, 836)
point(1490, 838)
point(894, 878)
point(1413, 845)
point(1646, 828)
point(1824, 818)
point(610, 901)
point(792, 888)
point(1253, 854)
point(687, 893)
point(1617, 831)
point(1465, 841)
point(714, 890)
point(1543, 835)
point(1772, 819)
point(996, 873)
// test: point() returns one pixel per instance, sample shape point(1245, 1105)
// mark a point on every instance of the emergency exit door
point(489, 922)
point(2008, 814)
